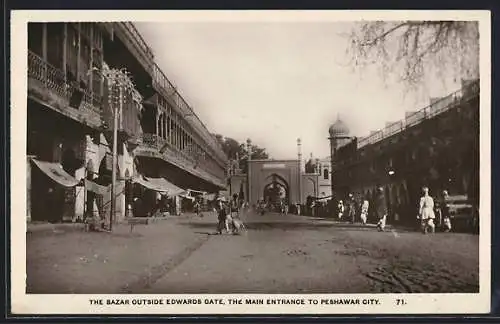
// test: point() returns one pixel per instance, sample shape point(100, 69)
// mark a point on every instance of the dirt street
point(278, 254)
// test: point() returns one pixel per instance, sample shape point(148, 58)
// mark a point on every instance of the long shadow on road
point(290, 226)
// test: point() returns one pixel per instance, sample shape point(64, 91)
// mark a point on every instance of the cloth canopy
point(196, 191)
point(323, 198)
point(56, 172)
point(97, 188)
point(160, 185)
point(186, 197)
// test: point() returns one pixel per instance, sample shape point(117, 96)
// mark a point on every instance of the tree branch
point(383, 35)
point(414, 48)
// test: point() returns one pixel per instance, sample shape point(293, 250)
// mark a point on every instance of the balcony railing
point(152, 141)
point(136, 36)
point(54, 80)
point(436, 108)
point(164, 85)
point(157, 143)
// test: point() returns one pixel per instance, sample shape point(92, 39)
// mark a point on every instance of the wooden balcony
point(48, 86)
point(451, 101)
point(165, 87)
point(133, 40)
point(154, 146)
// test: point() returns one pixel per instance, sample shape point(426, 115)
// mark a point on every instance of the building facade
point(70, 122)
point(322, 168)
point(437, 147)
point(276, 180)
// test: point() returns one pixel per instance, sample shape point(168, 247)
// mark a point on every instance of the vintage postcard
point(250, 162)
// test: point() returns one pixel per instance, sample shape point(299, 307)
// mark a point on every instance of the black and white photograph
point(304, 162)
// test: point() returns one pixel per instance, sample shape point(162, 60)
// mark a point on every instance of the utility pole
point(116, 112)
point(229, 176)
point(118, 80)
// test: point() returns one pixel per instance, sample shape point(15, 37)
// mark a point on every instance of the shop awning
point(160, 185)
point(194, 193)
point(186, 197)
point(97, 188)
point(324, 198)
point(56, 173)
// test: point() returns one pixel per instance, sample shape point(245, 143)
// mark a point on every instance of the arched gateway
point(270, 179)
point(276, 190)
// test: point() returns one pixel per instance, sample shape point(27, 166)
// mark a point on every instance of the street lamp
point(120, 84)
point(391, 172)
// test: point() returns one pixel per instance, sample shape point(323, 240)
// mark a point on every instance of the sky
point(274, 82)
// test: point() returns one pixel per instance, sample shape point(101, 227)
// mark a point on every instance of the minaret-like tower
point(299, 157)
point(249, 176)
point(339, 136)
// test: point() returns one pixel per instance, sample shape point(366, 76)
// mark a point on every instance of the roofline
point(271, 161)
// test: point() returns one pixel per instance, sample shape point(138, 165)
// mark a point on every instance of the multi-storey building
point(70, 123)
point(437, 146)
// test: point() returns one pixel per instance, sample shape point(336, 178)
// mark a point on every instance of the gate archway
point(276, 189)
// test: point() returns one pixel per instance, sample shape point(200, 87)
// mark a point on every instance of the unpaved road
point(278, 254)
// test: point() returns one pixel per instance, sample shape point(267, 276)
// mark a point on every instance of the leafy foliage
point(412, 51)
point(238, 151)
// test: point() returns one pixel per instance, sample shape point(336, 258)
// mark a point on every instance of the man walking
point(364, 211)
point(381, 209)
point(234, 208)
point(444, 212)
point(351, 208)
point(197, 208)
point(221, 216)
point(340, 209)
point(426, 211)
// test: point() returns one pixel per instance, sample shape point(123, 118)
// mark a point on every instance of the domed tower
point(339, 136)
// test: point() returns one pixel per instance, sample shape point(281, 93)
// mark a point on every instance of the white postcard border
point(23, 303)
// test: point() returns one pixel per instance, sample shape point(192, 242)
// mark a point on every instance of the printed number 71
point(400, 302)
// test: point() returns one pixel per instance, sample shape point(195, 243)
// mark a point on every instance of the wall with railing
point(54, 80)
point(471, 89)
point(168, 90)
point(136, 43)
point(200, 164)
point(214, 160)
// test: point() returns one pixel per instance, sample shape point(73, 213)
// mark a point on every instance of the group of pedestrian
point(228, 215)
point(427, 213)
point(347, 210)
point(426, 210)
point(284, 206)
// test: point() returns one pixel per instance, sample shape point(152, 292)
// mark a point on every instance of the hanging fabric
point(56, 172)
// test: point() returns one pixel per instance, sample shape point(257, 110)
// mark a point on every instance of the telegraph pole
point(116, 111)
point(117, 78)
